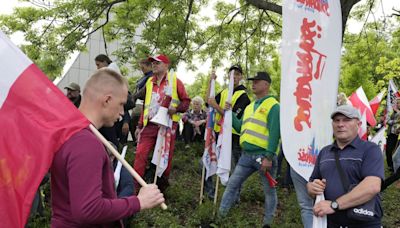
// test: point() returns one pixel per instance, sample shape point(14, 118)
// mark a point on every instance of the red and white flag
point(36, 119)
point(224, 143)
point(376, 101)
point(209, 156)
point(363, 130)
point(360, 101)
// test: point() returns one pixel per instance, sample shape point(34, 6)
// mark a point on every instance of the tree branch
point(266, 5)
point(186, 30)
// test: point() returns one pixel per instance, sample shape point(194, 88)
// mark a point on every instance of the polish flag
point(209, 156)
point(360, 101)
point(36, 119)
point(363, 130)
point(376, 101)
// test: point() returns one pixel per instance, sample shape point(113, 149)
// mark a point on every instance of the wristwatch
point(334, 205)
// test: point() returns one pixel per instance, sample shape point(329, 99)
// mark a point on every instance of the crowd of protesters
point(349, 172)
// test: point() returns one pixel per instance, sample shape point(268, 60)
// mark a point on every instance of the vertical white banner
point(311, 48)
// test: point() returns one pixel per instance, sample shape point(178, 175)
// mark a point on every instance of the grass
point(182, 198)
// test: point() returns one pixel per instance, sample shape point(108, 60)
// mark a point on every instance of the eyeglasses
point(155, 63)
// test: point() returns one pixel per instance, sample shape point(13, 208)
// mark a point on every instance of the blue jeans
point(246, 166)
point(304, 200)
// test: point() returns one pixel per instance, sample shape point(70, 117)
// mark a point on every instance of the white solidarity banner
point(311, 48)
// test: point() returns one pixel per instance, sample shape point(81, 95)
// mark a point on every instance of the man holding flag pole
point(239, 101)
point(259, 139)
point(79, 197)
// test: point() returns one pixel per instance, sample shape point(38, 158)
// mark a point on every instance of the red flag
point(359, 100)
point(363, 130)
point(36, 119)
point(375, 102)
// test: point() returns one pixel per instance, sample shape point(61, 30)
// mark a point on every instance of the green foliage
point(200, 85)
point(241, 33)
point(370, 59)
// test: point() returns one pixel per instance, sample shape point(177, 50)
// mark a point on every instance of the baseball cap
point(236, 67)
point(261, 76)
point(348, 111)
point(73, 86)
point(159, 58)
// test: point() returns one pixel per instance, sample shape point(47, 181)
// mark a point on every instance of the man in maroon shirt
point(82, 181)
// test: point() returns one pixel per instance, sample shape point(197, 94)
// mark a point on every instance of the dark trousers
point(123, 138)
point(286, 180)
point(390, 180)
point(391, 143)
point(133, 125)
point(188, 133)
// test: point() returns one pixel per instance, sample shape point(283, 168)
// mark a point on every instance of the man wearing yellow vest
point(146, 132)
point(259, 139)
point(240, 100)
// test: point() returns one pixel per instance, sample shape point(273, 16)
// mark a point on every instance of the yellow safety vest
point(224, 96)
point(254, 126)
point(149, 90)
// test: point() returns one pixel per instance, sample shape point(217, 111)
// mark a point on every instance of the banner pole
point(137, 177)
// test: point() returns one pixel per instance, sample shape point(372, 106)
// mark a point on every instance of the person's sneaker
point(187, 146)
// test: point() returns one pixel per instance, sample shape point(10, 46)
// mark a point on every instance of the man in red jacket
point(146, 132)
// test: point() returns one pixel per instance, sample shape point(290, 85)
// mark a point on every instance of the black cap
point(261, 76)
point(236, 67)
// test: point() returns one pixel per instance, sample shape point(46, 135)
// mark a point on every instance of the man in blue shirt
point(362, 164)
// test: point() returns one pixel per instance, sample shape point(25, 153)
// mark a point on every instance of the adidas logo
point(363, 212)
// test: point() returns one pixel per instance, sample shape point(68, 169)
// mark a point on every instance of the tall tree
point(245, 32)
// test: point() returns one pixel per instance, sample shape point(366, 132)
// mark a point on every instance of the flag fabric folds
point(363, 130)
point(162, 147)
point(224, 143)
point(36, 119)
point(320, 222)
point(209, 156)
point(360, 101)
point(380, 139)
point(376, 101)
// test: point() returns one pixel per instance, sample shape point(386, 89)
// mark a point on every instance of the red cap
point(159, 58)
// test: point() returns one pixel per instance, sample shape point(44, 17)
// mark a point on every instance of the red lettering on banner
point(305, 68)
point(321, 6)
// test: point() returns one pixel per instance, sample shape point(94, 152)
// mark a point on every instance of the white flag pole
point(117, 172)
point(137, 177)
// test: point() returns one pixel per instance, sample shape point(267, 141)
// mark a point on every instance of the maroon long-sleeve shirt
point(82, 186)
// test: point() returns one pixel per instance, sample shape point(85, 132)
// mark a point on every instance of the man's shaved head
point(104, 96)
point(102, 82)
